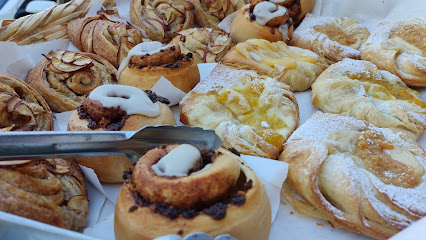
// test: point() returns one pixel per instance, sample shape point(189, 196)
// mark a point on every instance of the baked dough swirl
point(64, 78)
point(294, 66)
point(104, 35)
point(400, 48)
point(359, 89)
point(161, 19)
point(253, 114)
point(21, 107)
point(52, 191)
point(359, 177)
point(297, 8)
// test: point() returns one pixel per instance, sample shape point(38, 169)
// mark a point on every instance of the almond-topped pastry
point(359, 89)
point(357, 176)
point(251, 113)
point(114, 107)
point(179, 189)
point(400, 48)
point(21, 107)
point(265, 20)
point(294, 66)
point(297, 8)
point(64, 78)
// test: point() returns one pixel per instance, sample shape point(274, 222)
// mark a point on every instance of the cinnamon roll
point(297, 8)
point(118, 108)
point(149, 61)
point(265, 20)
point(64, 78)
point(104, 35)
point(179, 189)
point(357, 176)
point(51, 191)
point(400, 48)
point(21, 107)
point(162, 19)
point(206, 45)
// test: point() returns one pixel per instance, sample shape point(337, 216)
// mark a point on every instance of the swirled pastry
point(334, 38)
point(178, 189)
point(21, 107)
point(294, 66)
point(162, 19)
point(359, 89)
point(206, 45)
point(52, 191)
point(251, 113)
point(208, 13)
point(265, 20)
point(63, 78)
point(104, 35)
point(359, 177)
point(297, 8)
point(400, 48)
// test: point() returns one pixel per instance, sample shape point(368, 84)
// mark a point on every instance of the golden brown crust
point(24, 109)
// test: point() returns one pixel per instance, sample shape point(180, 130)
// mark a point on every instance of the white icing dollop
point(265, 11)
point(131, 99)
point(179, 161)
point(278, 1)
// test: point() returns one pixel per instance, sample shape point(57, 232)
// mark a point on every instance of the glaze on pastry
point(297, 8)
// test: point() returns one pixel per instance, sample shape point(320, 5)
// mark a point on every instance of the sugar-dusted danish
point(400, 48)
point(357, 176)
point(207, 45)
point(251, 113)
point(64, 78)
point(104, 35)
point(263, 20)
point(334, 38)
point(179, 189)
point(21, 107)
point(51, 191)
point(359, 89)
point(162, 19)
point(297, 8)
point(294, 66)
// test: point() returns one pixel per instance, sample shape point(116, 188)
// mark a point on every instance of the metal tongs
point(133, 144)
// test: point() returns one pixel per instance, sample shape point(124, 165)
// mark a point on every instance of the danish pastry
point(294, 66)
point(334, 38)
point(359, 89)
point(21, 107)
point(253, 114)
point(357, 176)
point(297, 8)
point(63, 78)
point(178, 189)
point(400, 48)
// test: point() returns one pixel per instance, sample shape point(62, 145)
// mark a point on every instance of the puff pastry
point(400, 48)
point(334, 38)
point(162, 19)
point(251, 113)
point(294, 66)
point(64, 78)
point(21, 107)
point(359, 89)
point(359, 177)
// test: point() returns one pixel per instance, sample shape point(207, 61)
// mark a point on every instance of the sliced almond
point(68, 57)
point(65, 67)
point(14, 163)
point(82, 61)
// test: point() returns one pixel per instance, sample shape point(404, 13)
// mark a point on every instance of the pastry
point(179, 189)
point(334, 38)
point(357, 176)
point(265, 20)
point(51, 191)
point(149, 61)
point(208, 13)
point(21, 107)
point(104, 35)
point(400, 48)
point(206, 45)
point(118, 108)
point(252, 113)
point(359, 89)
point(297, 8)
point(162, 19)
point(294, 66)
